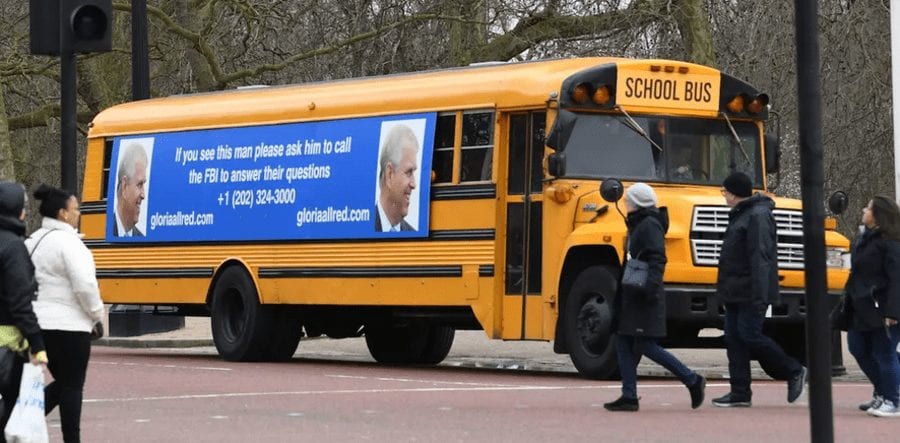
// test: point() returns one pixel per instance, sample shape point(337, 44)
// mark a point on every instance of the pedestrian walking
point(68, 305)
point(873, 301)
point(748, 284)
point(640, 315)
point(19, 330)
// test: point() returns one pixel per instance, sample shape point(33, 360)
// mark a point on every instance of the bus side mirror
point(561, 130)
point(773, 153)
point(838, 202)
point(556, 164)
point(611, 190)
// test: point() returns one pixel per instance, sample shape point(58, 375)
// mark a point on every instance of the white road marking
point(199, 368)
point(410, 390)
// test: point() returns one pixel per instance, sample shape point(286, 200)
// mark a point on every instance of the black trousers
point(68, 352)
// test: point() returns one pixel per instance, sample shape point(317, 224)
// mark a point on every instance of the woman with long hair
point(873, 298)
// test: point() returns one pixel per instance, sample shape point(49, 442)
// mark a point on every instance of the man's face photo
point(132, 194)
point(400, 180)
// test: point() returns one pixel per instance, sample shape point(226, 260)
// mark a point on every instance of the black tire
point(412, 342)
point(240, 325)
point(588, 323)
point(440, 340)
point(287, 333)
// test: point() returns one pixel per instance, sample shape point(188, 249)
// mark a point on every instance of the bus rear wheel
point(240, 325)
point(413, 342)
point(588, 323)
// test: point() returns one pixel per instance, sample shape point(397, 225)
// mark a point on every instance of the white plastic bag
point(27, 423)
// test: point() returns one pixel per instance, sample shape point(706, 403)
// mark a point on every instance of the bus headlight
point(834, 258)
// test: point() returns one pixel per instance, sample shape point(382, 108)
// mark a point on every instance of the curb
point(152, 343)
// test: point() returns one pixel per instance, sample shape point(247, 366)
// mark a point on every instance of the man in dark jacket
point(747, 284)
point(17, 289)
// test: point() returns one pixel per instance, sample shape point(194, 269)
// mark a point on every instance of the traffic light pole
point(812, 179)
point(140, 55)
point(68, 118)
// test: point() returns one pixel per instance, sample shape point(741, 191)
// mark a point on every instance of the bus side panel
point(154, 290)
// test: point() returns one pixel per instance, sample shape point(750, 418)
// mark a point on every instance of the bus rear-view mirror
point(611, 190)
point(773, 153)
point(556, 164)
point(837, 202)
point(561, 130)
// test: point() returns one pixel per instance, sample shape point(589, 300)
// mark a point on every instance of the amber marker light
point(560, 192)
point(736, 104)
point(601, 96)
point(758, 104)
point(581, 93)
point(830, 223)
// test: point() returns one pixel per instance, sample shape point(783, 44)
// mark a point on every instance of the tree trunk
point(467, 35)
point(7, 163)
point(693, 23)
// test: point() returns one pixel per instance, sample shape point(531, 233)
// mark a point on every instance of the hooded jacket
point(748, 263)
point(17, 283)
point(644, 314)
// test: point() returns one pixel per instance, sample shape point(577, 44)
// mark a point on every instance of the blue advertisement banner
point(338, 179)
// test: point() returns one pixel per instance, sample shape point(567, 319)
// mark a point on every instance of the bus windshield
point(662, 149)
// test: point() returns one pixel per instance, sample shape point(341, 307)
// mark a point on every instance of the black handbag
point(841, 314)
point(634, 277)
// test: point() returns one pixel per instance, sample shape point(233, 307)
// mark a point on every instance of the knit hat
point(738, 184)
point(12, 199)
point(640, 195)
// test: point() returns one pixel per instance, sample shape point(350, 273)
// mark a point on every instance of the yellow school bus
point(404, 207)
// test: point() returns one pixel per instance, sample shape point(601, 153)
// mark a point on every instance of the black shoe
point(795, 385)
point(622, 404)
point(698, 391)
point(731, 401)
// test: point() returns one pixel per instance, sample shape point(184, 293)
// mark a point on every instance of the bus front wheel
point(588, 323)
point(240, 325)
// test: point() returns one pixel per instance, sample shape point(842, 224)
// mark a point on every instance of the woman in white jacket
point(68, 304)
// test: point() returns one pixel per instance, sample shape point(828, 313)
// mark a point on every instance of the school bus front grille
point(708, 228)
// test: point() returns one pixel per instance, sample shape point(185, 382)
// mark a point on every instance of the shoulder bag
point(634, 277)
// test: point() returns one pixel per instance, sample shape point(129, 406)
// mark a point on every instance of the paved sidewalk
point(470, 349)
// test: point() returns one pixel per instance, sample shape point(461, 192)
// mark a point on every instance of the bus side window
point(442, 162)
point(107, 160)
point(477, 147)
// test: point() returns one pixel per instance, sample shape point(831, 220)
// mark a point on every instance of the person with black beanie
point(19, 330)
point(747, 285)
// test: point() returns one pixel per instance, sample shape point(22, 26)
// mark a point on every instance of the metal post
point(68, 118)
point(140, 55)
point(818, 328)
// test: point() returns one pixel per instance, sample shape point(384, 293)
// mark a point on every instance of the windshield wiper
point(634, 126)
point(740, 145)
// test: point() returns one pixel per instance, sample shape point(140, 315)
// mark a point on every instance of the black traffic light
point(70, 26)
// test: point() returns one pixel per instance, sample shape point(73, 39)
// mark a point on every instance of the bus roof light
point(758, 104)
point(682, 69)
point(655, 68)
point(736, 104)
point(601, 96)
point(581, 93)
point(670, 69)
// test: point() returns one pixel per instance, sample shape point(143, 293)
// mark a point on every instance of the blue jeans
point(629, 349)
point(744, 340)
point(876, 353)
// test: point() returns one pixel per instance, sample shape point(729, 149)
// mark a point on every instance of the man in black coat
point(747, 284)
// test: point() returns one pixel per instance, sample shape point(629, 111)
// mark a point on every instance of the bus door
point(522, 316)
